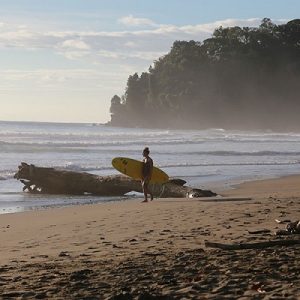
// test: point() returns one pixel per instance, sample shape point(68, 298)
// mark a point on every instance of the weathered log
point(54, 181)
point(259, 245)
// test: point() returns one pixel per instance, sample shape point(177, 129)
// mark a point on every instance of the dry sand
point(134, 250)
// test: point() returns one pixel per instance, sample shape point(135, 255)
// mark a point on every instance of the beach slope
point(134, 250)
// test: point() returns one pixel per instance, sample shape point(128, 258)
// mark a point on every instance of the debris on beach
point(43, 180)
point(291, 228)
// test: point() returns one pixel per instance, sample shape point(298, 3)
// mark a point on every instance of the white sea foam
point(6, 174)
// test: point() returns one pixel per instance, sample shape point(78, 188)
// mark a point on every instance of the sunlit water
point(204, 158)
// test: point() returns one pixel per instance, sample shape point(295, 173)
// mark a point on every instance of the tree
point(116, 105)
point(238, 78)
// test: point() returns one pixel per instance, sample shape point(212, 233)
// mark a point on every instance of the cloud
point(56, 79)
point(109, 54)
point(74, 55)
point(132, 21)
point(138, 46)
point(130, 44)
point(75, 44)
point(74, 49)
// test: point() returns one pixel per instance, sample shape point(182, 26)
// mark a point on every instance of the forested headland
point(240, 78)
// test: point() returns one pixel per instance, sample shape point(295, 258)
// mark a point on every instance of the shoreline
point(105, 250)
point(227, 186)
point(222, 187)
point(268, 187)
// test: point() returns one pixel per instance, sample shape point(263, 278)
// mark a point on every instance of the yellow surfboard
point(133, 168)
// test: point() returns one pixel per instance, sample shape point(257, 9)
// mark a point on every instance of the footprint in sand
point(52, 236)
point(79, 243)
point(31, 246)
point(92, 248)
point(106, 243)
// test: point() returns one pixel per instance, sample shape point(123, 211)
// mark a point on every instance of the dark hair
point(146, 150)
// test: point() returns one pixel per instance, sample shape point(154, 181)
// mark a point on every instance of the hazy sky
point(63, 60)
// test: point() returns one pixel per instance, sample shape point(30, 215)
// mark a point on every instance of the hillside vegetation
point(240, 78)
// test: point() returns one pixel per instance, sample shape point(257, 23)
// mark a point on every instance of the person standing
point(147, 170)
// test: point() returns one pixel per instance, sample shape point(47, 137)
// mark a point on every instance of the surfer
point(147, 173)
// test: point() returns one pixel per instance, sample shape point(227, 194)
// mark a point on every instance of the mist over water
point(201, 157)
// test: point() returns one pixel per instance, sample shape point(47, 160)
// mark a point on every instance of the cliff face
point(240, 78)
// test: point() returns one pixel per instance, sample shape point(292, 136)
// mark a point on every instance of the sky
point(63, 60)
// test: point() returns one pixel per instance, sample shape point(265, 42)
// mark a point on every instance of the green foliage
point(239, 78)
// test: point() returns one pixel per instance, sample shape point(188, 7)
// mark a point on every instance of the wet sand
point(156, 250)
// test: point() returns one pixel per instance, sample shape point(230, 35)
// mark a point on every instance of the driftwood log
point(54, 181)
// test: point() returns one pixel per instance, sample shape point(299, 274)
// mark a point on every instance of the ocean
point(206, 159)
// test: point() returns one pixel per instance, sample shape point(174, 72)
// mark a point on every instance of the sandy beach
point(133, 250)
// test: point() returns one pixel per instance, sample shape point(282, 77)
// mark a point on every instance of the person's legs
point(151, 195)
point(148, 191)
point(145, 190)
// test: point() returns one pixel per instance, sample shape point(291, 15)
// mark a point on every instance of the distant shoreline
point(109, 124)
point(187, 128)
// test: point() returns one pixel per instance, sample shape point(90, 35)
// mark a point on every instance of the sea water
point(204, 158)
